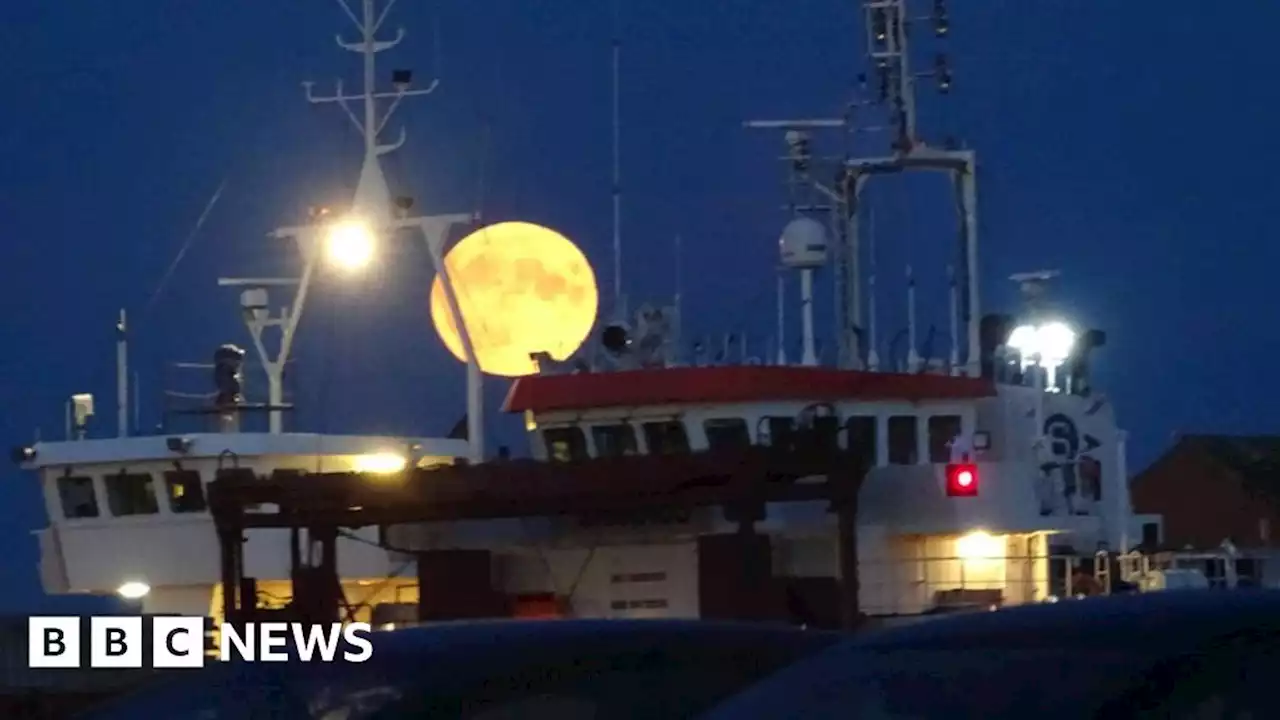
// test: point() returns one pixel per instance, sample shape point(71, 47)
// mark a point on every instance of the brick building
point(1211, 488)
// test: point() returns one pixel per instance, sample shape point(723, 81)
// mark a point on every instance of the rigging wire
point(186, 245)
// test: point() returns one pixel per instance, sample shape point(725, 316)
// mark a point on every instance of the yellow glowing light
point(386, 462)
point(350, 244)
point(523, 289)
point(979, 545)
point(133, 590)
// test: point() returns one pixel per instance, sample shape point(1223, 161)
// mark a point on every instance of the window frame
point(577, 443)
point(171, 481)
point(723, 428)
point(630, 443)
point(63, 489)
point(899, 420)
point(114, 484)
point(939, 447)
point(650, 429)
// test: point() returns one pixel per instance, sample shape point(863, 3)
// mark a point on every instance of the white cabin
point(915, 542)
point(127, 514)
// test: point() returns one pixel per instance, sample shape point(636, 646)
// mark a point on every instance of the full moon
point(522, 288)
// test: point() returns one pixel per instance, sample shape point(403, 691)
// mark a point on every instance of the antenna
point(887, 26)
point(619, 303)
point(913, 354)
point(122, 376)
point(679, 294)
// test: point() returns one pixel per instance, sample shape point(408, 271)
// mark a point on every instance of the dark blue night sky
point(1126, 146)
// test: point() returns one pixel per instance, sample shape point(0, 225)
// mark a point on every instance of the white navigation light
point(1048, 345)
point(349, 244)
point(133, 590)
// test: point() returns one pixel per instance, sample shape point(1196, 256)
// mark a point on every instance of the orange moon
point(522, 288)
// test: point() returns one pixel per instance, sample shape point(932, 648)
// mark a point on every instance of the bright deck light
point(133, 590)
point(979, 545)
point(384, 463)
point(1047, 345)
point(349, 244)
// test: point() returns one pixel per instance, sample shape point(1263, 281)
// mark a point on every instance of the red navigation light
point(962, 480)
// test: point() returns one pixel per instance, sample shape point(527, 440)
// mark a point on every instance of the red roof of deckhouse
point(721, 385)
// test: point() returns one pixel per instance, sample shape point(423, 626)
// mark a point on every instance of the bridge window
point(825, 433)
point(727, 434)
point(77, 497)
point(131, 494)
point(185, 490)
point(666, 438)
point(565, 444)
point(942, 430)
point(861, 430)
point(902, 440)
point(614, 440)
point(781, 430)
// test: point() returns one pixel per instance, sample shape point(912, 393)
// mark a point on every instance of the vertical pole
point(122, 377)
point(913, 354)
point(370, 104)
point(619, 309)
point(275, 397)
point(275, 368)
point(433, 230)
point(229, 540)
point(906, 81)
point(810, 355)
point(969, 208)
point(782, 326)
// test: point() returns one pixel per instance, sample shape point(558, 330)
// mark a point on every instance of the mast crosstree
point(373, 196)
point(372, 209)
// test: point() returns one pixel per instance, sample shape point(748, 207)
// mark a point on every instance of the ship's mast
point(372, 208)
point(619, 300)
point(887, 35)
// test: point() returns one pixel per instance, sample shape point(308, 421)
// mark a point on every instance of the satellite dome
point(803, 244)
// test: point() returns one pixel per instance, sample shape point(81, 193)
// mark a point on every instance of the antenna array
point(888, 33)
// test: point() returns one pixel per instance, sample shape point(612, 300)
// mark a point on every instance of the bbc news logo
point(179, 642)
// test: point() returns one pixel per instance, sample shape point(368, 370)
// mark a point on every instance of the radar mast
point(373, 207)
point(836, 191)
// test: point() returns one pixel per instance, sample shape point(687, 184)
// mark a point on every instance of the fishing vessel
point(664, 480)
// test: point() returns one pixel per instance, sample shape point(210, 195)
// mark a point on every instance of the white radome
point(804, 244)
